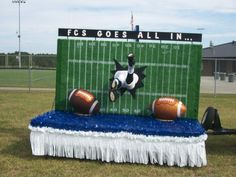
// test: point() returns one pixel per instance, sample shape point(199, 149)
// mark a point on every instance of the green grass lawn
point(18, 108)
point(21, 78)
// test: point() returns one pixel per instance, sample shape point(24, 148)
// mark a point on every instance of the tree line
point(10, 60)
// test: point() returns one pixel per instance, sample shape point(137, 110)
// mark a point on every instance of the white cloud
point(228, 6)
point(41, 19)
point(220, 35)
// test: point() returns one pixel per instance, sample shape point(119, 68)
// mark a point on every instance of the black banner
point(141, 35)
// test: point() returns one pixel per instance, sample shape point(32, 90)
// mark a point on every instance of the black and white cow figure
point(126, 79)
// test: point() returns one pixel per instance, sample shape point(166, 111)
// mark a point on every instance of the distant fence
point(37, 71)
point(28, 61)
point(221, 65)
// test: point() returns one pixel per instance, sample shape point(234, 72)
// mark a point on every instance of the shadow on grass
point(20, 149)
point(18, 144)
point(221, 145)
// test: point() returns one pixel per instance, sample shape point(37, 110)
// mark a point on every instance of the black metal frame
point(211, 121)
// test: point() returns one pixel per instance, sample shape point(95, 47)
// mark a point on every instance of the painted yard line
point(131, 101)
point(80, 56)
point(158, 57)
point(91, 78)
point(163, 74)
point(140, 54)
point(97, 59)
point(181, 74)
point(67, 74)
point(169, 76)
point(176, 57)
point(189, 54)
point(150, 88)
point(125, 63)
point(85, 67)
point(127, 46)
point(109, 70)
point(103, 56)
point(113, 105)
point(145, 61)
point(142, 93)
point(74, 67)
point(121, 52)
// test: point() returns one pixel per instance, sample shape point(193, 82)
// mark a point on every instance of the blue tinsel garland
point(181, 127)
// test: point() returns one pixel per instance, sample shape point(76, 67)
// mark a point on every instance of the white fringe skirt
point(119, 147)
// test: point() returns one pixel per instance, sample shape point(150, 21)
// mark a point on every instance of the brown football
point(83, 102)
point(167, 108)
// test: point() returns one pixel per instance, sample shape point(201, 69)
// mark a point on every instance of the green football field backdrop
point(172, 70)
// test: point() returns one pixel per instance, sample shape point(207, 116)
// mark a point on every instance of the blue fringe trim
point(180, 127)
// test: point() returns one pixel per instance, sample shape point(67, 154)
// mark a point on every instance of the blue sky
point(41, 19)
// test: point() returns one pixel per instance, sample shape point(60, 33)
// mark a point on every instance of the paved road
point(208, 85)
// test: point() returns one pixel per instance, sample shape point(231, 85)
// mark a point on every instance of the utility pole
point(19, 32)
point(215, 73)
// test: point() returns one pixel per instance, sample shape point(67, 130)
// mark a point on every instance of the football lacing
point(170, 100)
